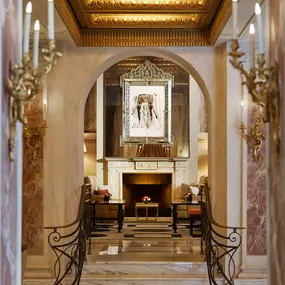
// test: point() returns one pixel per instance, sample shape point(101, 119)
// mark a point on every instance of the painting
point(146, 105)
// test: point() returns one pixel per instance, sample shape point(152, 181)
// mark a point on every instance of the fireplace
point(157, 186)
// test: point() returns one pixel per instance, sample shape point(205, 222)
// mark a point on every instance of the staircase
point(145, 273)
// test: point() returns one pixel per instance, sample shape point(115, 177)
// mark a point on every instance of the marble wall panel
point(8, 191)
point(277, 174)
point(256, 191)
point(33, 184)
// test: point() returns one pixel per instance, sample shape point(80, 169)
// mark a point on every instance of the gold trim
point(34, 133)
point(262, 83)
point(254, 138)
point(220, 20)
point(144, 38)
point(67, 16)
point(143, 20)
point(143, 4)
point(23, 84)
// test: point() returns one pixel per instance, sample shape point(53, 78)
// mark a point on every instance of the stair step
point(122, 280)
point(148, 280)
point(145, 268)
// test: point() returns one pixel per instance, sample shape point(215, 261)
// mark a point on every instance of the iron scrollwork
point(220, 245)
point(71, 242)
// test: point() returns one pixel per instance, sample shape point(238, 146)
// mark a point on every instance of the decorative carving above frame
point(146, 105)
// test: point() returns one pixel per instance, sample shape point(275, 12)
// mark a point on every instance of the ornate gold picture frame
point(146, 105)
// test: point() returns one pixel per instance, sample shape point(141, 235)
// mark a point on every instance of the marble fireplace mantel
point(152, 165)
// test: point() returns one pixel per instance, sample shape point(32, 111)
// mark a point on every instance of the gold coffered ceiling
point(144, 22)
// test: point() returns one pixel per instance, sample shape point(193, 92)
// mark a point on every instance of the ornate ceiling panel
point(144, 22)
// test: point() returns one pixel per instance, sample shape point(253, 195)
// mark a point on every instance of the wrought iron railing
point(70, 243)
point(220, 245)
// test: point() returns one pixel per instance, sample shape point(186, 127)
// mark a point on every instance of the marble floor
point(144, 254)
point(141, 241)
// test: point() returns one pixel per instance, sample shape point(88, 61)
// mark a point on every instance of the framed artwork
point(146, 105)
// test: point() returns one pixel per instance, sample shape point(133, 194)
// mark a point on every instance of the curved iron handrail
point(219, 249)
point(70, 247)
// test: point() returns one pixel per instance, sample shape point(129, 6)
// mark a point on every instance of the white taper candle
point(252, 45)
point(235, 17)
point(20, 32)
point(259, 28)
point(36, 43)
point(50, 19)
point(27, 27)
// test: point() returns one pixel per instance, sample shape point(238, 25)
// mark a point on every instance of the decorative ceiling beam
point(107, 5)
point(144, 30)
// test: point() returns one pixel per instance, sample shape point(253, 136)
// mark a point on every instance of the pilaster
point(100, 130)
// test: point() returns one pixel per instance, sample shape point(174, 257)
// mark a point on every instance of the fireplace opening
point(156, 186)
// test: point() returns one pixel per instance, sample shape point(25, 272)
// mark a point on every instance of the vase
point(106, 198)
point(189, 199)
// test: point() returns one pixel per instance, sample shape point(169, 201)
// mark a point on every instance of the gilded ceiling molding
point(67, 15)
point(143, 4)
point(144, 38)
point(221, 18)
point(137, 30)
point(143, 20)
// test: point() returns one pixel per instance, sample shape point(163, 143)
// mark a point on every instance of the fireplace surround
point(120, 169)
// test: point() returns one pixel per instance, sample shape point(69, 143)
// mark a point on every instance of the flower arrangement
point(146, 199)
point(188, 196)
point(107, 196)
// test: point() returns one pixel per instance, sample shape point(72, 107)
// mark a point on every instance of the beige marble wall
point(33, 184)
point(277, 173)
point(9, 273)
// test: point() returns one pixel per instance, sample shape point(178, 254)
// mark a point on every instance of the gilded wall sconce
point(254, 138)
point(34, 133)
point(261, 81)
point(25, 80)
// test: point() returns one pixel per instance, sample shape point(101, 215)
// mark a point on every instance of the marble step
point(136, 280)
point(107, 269)
point(149, 280)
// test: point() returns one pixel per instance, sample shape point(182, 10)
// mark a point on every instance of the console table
point(146, 206)
point(120, 203)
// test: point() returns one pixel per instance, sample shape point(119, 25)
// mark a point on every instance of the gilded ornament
point(23, 84)
point(262, 84)
point(129, 31)
point(254, 138)
point(34, 133)
point(143, 4)
point(155, 20)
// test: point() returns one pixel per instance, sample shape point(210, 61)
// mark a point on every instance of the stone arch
point(156, 52)
point(148, 52)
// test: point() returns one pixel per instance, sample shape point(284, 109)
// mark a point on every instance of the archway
point(187, 66)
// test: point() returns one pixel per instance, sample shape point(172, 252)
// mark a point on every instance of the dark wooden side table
point(120, 203)
point(174, 205)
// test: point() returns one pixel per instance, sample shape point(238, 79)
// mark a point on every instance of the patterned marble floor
point(140, 241)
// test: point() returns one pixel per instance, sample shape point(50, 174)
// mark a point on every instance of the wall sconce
point(34, 133)
point(25, 80)
point(261, 82)
point(254, 139)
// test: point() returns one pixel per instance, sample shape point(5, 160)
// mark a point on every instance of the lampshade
point(84, 147)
